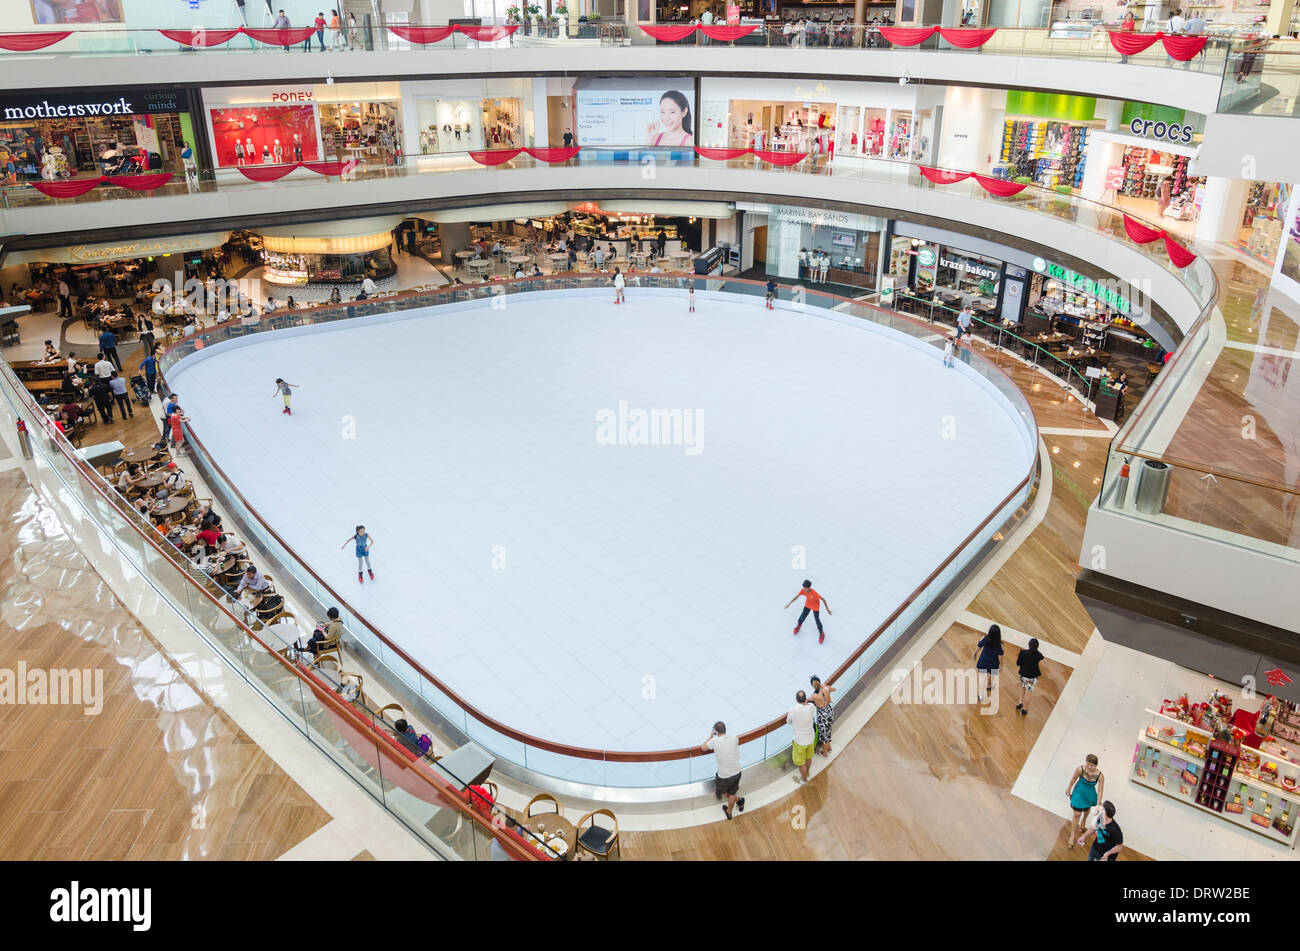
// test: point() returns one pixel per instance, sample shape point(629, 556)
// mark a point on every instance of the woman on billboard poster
point(674, 125)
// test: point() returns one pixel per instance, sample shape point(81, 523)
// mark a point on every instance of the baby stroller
point(140, 389)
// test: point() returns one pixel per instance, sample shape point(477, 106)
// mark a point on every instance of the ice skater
point(812, 601)
point(619, 283)
point(771, 293)
point(284, 389)
point(363, 543)
point(690, 299)
point(947, 350)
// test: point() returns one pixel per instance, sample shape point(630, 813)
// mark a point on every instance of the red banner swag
point(26, 42)
point(423, 34)
point(994, 186)
point(780, 158)
point(907, 35)
point(495, 156)
point(1181, 48)
point(289, 37)
point(1141, 234)
point(79, 186)
point(966, 39)
point(273, 173)
point(554, 155)
point(727, 33)
point(721, 155)
point(669, 32)
point(200, 37)
point(487, 34)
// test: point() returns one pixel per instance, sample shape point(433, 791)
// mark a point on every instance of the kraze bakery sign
point(971, 267)
point(88, 103)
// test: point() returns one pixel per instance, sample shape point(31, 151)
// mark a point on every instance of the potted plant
point(512, 14)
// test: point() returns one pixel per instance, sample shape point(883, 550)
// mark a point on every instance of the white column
point(1101, 155)
point(1225, 199)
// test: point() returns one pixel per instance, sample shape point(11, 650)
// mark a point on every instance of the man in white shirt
point(104, 369)
point(706, 17)
point(726, 780)
point(368, 287)
point(1177, 22)
point(598, 257)
point(802, 718)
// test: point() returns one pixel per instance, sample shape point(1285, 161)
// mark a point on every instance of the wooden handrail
point(618, 756)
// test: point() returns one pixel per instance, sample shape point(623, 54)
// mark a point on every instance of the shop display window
point(264, 135)
point(365, 131)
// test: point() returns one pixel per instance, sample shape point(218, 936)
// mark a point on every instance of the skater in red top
point(812, 601)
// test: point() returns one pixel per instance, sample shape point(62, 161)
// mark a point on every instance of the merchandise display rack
point(1171, 758)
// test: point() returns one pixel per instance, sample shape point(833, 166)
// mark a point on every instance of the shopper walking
point(802, 720)
point(362, 541)
point(337, 39)
point(117, 386)
point(1085, 789)
point(726, 779)
point(285, 390)
point(619, 284)
point(821, 700)
point(281, 23)
point(65, 299)
point(149, 367)
point(354, 41)
point(144, 327)
point(319, 23)
point(812, 601)
point(988, 657)
point(103, 367)
point(102, 394)
point(1108, 840)
point(108, 346)
point(1027, 663)
point(175, 420)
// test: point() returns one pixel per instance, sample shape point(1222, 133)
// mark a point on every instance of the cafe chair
point(542, 799)
point(601, 842)
point(330, 648)
point(393, 708)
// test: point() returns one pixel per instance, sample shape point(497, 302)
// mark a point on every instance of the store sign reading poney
point(291, 96)
point(1166, 131)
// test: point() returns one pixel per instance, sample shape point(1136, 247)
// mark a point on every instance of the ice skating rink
point(562, 576)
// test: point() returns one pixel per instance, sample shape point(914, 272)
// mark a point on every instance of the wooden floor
point(160, 773)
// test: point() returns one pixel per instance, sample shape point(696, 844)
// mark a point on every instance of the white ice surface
point(641, 593)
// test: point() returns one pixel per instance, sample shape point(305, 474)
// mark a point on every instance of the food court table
point(559, 260)
point(463, 256)
point(140, 455)
point(173, 505)
point(551, 826)
point(520, 259)
point(479, 264)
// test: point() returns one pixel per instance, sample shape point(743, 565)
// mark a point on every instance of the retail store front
point(88, 132)
point(327, 253)
point(842, 122)
point(275, 124)
point(1045, 138)
point(449, 116)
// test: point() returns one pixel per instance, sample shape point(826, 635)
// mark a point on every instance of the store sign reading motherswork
point(88, 103)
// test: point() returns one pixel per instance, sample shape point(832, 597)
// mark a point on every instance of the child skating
point(690, 299)
point(619, 283)
point(947, 350)
point(812, 601)
point(284, 389)
point(363, 543)
point(771, 293)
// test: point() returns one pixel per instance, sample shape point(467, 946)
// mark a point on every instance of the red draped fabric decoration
point(287, 37)
point(70, 189)
point(140, 183)
point(1183, 48)
point(486, 34)
point(266, 173)
point(26, 42)
point(728, 33)
point(1178, 254)
point(423, 34)
point(720, 155)
point(907, 35)
point(1129, 43)
point(942, 176)
point(200, 37)
point(780, 158)
point(966, 39)
point(331, 168)
point(553, 155)
point(1140, 233)
point(1000, 187)
point(495, 156)
point(670, 32)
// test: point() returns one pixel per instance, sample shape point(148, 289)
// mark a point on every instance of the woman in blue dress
point(988, 656)
point(1086, 788)
point(363, 543)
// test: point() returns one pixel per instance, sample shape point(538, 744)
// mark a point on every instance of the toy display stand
point(1239, 786)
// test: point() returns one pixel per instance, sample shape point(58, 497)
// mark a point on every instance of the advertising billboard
point(657, 115)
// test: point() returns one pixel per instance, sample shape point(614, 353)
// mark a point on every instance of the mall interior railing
point(1261, 81)
point(425, 797)
point(602, 768)
point(1079, 42)
point(1091, 215)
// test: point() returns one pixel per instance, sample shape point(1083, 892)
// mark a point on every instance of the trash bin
point(1153, 487)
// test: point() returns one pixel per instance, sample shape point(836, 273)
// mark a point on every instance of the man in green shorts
point(802, 718)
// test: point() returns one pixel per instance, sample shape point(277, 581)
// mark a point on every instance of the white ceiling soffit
point(678, 209)
point(350, 228)
point(523, 209)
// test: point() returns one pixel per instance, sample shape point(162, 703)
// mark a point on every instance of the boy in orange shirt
point(812, 601)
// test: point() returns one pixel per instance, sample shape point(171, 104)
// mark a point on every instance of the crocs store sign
point(1175, 132)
